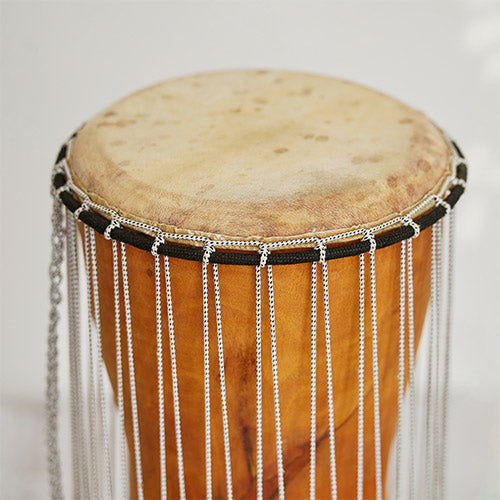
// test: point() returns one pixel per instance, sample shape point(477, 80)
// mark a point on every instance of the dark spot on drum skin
point(321, 138)
point(281, 150)
point(236, 110)
point(410, 190)
point(405, 121)
point(327, 121)
point(356, 160)
point(260, 100)
point(196, 84)
point(124, 163)
point(109, 113)
point(117, 143)
point(309, 136)
point(375, 158)
point(423, 164)
point(120, 123)
point(278, 80)
point(306, 91)
point(257, 109)
point(392, 181)
point(159, 123)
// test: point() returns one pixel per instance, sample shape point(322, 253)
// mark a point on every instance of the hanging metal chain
point(52, 390)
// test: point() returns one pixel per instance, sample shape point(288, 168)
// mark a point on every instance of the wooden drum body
point(204, 183)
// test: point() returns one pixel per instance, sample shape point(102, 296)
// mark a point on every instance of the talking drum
point(258, 249)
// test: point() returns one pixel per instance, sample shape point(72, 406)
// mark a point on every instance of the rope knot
point(441, 202)
point(112, 225)
point(208, 249)
point(321, 246)
point(158, 241)
point(369, 236)
point(408, 221)
point(264, 254)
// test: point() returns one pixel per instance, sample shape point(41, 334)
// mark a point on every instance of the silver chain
point(258, 369)
point(119, 371)
point(274, 359)
point(131, 370)
point(175, 386)
point(220, 349)
point(401, 369)
point(361, 377)
point(52, 390)
point(314, 301)
point(161, 402)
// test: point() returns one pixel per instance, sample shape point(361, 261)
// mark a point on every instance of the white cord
point(206, 366)
point(314, 299)
point(175, 386)
point(161, 402)
point(361, 376)
point(131, 369)
point(119, 372)
point(411, 362)
point(92, 411)
point(274, 357)
point(100, 371)
point(220, 348)
point(81, 486)
point(401, 373)
point(331, 420)
point(258, 368)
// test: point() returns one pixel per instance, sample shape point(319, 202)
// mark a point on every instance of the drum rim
point(151, 239)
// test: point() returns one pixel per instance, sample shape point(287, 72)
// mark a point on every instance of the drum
point(259, 251)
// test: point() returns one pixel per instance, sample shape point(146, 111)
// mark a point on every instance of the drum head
point(266, 155)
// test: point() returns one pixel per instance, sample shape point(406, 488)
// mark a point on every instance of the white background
point(62, 62)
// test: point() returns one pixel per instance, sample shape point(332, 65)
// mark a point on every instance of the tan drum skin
point(418, 159)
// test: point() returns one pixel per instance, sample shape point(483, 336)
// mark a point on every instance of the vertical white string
point(100, 371)
point(376, 397)
point(361, 376)
point(119, 372)
point(206, 366)
point(131, 369)
point(161, 403)
point(258, 368)
point(437, 406)
point(448, 327)
point(312, 469)
point(411, 362)
point(274, 358)
point(220, 347)
point(401, 374)
point(430, 366)
point(92, 411)
point(78, 438)
point(331, 421)
point(52, 389)
point(175, 387)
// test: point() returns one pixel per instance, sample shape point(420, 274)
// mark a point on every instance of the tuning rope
point(361, 378)
point(100, 371)
point(448, 326)
point(175, 387)
point(52, 390)
point(206, 371)
point(258, 370)
point(91, 398)
point(220, 348)
point(401, 368)
point(159, 357)
point(329, 376)
point(80, 472)
point(131, 369)
point(314, 299)
point(119, 371)
point(274, 358)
